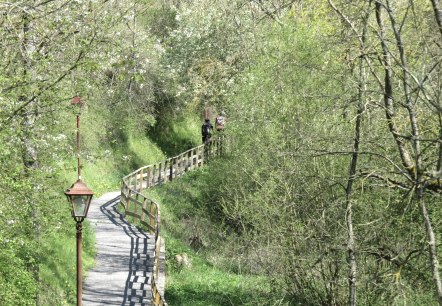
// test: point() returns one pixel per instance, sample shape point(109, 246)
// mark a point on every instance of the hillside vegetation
point(329, 191)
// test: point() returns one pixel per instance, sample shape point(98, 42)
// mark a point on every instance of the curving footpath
point(123, 264)
point(124, 271)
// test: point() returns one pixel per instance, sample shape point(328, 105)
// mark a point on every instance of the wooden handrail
point(147, 211)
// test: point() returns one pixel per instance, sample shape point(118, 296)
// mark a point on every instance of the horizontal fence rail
point(147, 211)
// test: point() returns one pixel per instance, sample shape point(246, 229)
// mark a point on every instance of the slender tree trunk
point(406, 89)
point(437, 13)
point(27, 120)
point(431, 243)
point(351, 244)
point(29, 152)
point(439, 160)
point(133, 55)
point(362, 80)
point(388, 95)
point(414, 168)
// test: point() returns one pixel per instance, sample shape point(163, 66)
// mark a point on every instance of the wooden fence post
point(212, 148)
point(143, 209)
point(181, 164)
point(160, 168)
point(123, 192)
point(135, 207)
point(201, 155)
point(171, 170)
point(166, 168)
point(208, 152)
point(186, 162)
point(152, 215)
point(126, 206)
point(130, 182)
point(141, 180)
point(157, 298)
point(149, 177)
point(154, 175)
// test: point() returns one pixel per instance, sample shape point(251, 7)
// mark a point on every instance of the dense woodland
point(331, 185)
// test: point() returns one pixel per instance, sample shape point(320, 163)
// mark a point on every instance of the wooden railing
point(147, 211)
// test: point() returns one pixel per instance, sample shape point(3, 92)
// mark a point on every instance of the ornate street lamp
point(80, 197)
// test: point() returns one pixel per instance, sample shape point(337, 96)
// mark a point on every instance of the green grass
point(175, 135)
point(204, 284)
point(58, 271)
point(103, 171)
point(209, 281)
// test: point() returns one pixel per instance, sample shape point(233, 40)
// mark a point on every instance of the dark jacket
point(206, 129)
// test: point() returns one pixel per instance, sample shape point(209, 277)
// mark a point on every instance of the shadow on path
point(121, 275)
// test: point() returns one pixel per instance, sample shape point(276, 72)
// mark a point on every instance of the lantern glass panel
point(79, 205)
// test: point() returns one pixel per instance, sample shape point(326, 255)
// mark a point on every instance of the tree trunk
point(431, 243)
point(437, 13)
point(27, 121)
point(406, 90)
point(388, 95)
point(351, 245)
point(29, 151)
point(414, 168)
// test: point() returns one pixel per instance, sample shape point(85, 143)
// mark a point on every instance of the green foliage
point(17, 283)
point(190, 226)
point(283, 192)
point(51, 53)
point(161, 21)
point(176, 134)
point(58, 271)
point(32, 235)
point(206, 285)
point(205, 52)
point(291, 78)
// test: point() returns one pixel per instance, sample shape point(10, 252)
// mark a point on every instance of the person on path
point(206, 131)
point(220, 121)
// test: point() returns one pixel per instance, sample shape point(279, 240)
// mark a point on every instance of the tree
point(310, 153)
point(49, 51)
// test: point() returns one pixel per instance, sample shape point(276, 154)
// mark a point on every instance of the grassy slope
point(208, 281)
point(186, 214)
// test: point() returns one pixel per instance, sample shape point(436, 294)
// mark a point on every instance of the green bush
point(18, 285)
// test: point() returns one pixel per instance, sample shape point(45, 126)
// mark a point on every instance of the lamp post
point(79, 197)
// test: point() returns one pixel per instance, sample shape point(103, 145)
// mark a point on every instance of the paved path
point(121, 275)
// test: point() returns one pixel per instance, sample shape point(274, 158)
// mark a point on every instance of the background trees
point(332, 184)
point(51, 51)
point(302, 113)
